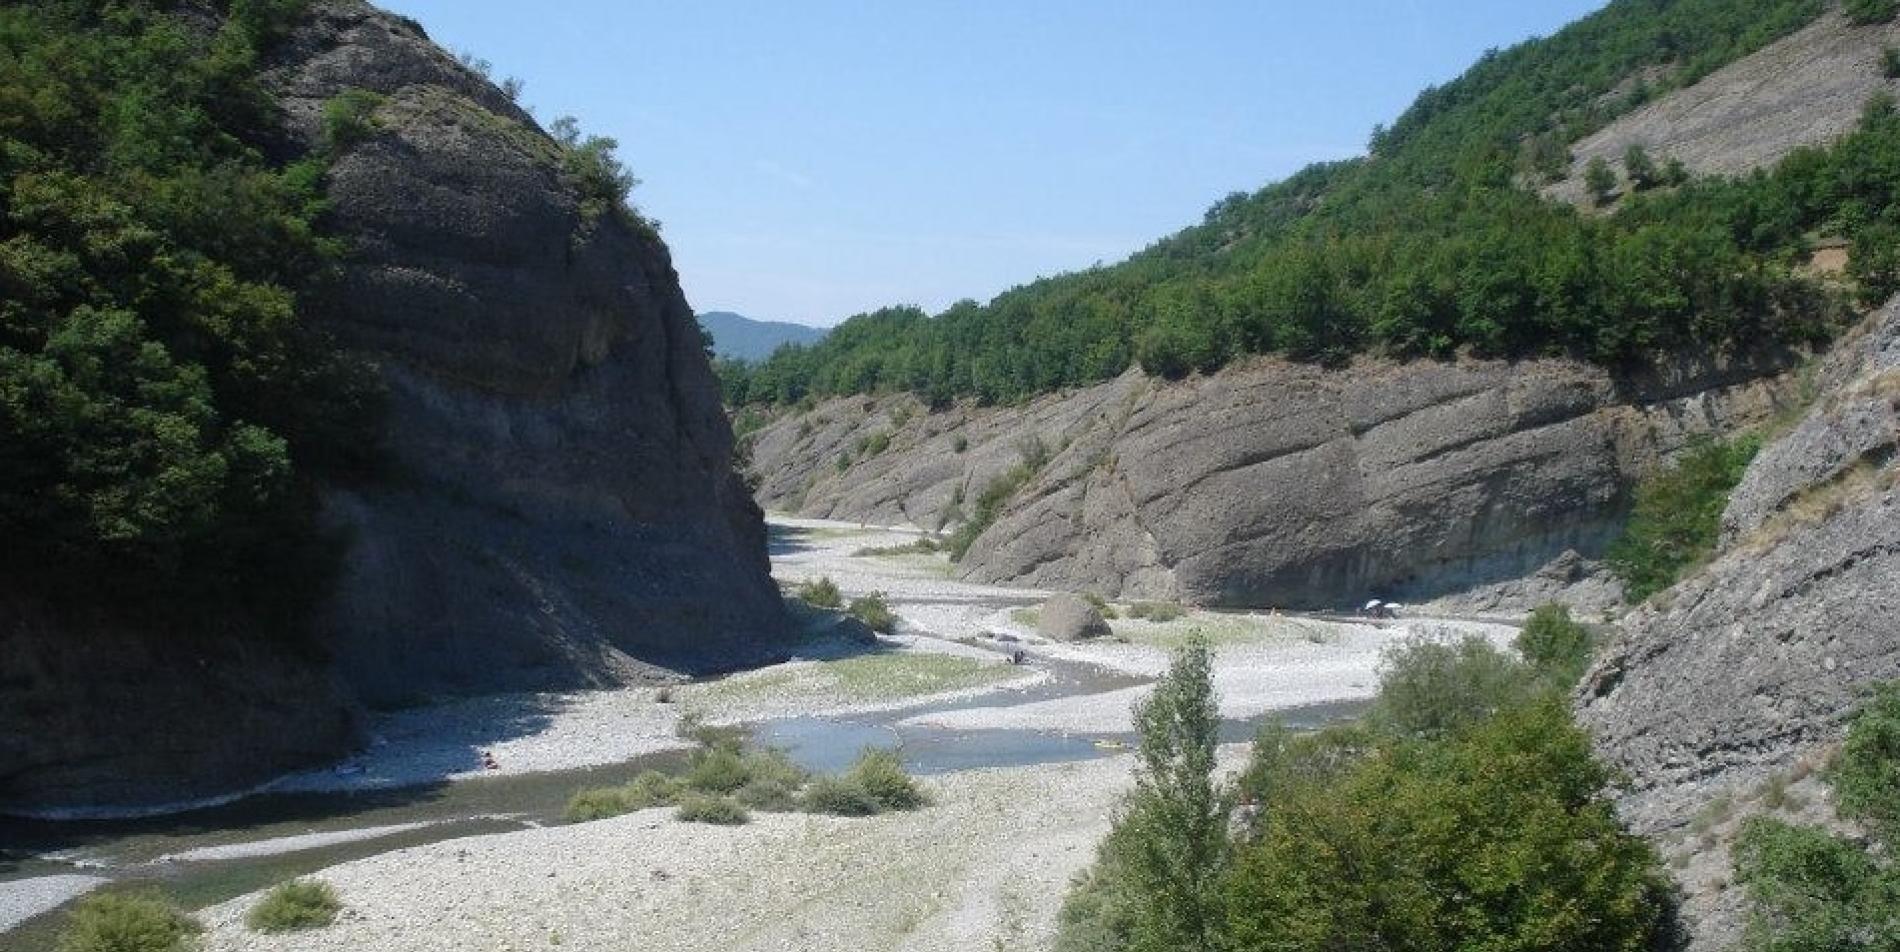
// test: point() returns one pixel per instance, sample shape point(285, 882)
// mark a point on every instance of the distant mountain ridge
point(741, 337)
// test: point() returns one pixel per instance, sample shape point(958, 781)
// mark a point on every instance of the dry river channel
point(943, 692)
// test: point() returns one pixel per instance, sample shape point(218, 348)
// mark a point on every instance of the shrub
point(1866, 774)
point(960, 444)
point(350, 118)
point(874, 444)
point(822, 593)
point(114, 922)
point(594, 170)
point(839, 796)
point(880, 774)
point(989, 505)
point(1868, 12)
point(1555, 646)
point(772, 781)
point(720, 769)
point(1600, 180)
point(721, 811)
point(1678, 515)
point(1811, 891)
point(650, 789)
point(1431, 688)
point(295, 906)
point(1890, 62)
point(872, 610)
point(1640, 167)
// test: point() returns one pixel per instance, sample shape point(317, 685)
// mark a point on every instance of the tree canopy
point(163, 403)
point(1434, 243)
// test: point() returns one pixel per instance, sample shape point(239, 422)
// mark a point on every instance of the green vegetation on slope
point(1470, 816)
point(1678, 516)
point(1432, 244)
point(163, 403)
point(1811, 890)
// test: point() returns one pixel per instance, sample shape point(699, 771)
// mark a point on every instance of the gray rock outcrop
point(1751, 667)
point(563, 511)
point(1071, 618)
point(1278, 484)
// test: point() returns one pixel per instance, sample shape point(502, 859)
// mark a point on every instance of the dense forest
point(1436, 242)
point(164, 405)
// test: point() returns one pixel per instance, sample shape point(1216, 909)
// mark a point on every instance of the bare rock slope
point(1803, 90)
point(1271, 483)
point(1751, 668)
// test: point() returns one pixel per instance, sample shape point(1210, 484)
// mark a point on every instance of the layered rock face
point(562, 509)
point(557, 507)
point(1275, 484)
point(1753, 666)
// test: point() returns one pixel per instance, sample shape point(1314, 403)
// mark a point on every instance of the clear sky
point(812, 159)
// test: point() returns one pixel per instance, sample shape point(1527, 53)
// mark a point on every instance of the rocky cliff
point(1738, 680)
point(556, 506)
point(1274, 483)
point(563, 510)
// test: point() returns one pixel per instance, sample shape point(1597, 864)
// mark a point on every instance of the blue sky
point(810, 160)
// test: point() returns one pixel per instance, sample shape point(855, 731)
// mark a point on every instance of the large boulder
point(1071, 618)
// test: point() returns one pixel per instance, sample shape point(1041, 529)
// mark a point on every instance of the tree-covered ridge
point(1432, 244)
point(163, 406)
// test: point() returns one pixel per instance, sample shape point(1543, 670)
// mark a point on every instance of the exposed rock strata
point(1752, 666)
point(1274, 483)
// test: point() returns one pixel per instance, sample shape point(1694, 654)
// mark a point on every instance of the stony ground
point(983, 867)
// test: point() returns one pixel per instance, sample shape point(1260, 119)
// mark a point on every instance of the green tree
point(1600, 180)
point(1498, 838)
point(1557, 647)
point(1175, 824)
point(1640, 168)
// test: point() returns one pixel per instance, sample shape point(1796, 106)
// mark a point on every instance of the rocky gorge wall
point(1272, 483)
point(1742, 677)
point(556, 506)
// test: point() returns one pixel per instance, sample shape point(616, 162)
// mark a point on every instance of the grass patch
point(719, 811)
point(648, 790)
point(1159, 612)
point(861, 679)
point(118, 922)
point(295, 906)
point(923, 546)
